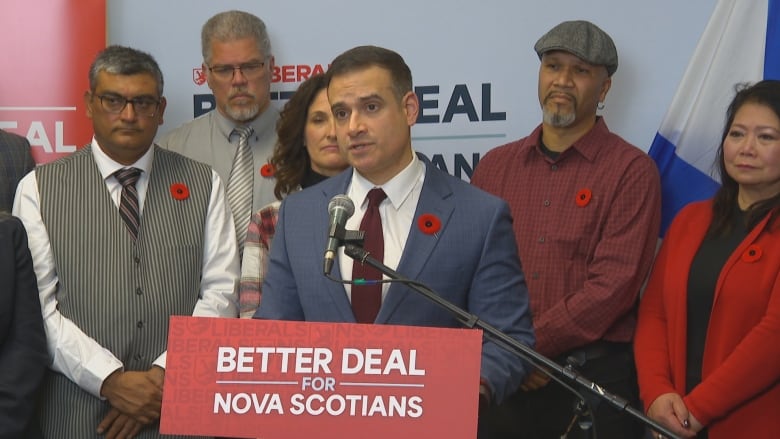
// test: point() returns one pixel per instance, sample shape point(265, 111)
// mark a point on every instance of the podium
point(269, 379)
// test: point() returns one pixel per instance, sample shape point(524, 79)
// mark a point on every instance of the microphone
point(340, 209)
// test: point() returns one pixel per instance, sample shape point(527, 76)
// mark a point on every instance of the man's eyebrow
point(371, 97)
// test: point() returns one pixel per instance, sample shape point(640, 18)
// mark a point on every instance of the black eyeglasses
point(250, 70)
point(143, 105)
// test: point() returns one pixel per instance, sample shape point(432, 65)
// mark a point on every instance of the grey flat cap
point(583, 39)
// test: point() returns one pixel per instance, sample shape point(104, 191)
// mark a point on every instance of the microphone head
point(341, 202)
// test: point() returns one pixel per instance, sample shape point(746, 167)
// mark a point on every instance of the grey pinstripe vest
point(119, 292)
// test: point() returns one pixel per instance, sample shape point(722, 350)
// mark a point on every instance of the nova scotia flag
point(741, 43)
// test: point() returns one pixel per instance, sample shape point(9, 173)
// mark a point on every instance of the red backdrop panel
point(48, 46)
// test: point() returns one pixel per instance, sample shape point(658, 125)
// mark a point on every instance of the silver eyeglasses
point(225, 72)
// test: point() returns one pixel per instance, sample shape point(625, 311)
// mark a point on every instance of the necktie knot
point(128, 202)
point(243, 131)
point(375, 197)
point(128, 176)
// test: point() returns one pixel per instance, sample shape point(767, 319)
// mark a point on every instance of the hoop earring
point(600, 106)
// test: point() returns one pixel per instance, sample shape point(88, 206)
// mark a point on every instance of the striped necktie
point(128, 204)
point(241, 184)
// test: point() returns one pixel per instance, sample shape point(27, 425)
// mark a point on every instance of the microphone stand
point(471, 321)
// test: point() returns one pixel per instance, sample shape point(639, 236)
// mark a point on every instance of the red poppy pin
point(429, 223)
point(752, 254)
point(180, 191)
point(267, 170)
point(583, 197)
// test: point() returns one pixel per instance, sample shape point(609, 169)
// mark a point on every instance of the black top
point(702, 280)
point(310, 178)
point(548, 152)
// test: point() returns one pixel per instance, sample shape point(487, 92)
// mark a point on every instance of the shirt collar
point(588, 146)
point(397, 188)
point(260, 124)
point(224, 125)
point(107, 166)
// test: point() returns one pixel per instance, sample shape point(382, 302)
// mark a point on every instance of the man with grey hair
point(123, 234)
point(586, 205)
point(238, 138)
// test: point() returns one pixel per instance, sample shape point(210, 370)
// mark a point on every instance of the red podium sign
point(281, 380)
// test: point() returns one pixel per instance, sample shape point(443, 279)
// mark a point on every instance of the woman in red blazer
point(707, 345)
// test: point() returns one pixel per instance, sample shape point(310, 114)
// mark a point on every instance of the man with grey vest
point(123, 235)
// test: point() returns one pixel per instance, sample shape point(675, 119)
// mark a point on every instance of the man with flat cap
point(586, 205)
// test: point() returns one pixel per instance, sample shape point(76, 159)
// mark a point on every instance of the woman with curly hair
point(305, 154)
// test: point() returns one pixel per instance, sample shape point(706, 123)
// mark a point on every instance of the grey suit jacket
point(472, 262)
point(15, 162)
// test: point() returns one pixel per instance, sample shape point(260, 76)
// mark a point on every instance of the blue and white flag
point(741, 43)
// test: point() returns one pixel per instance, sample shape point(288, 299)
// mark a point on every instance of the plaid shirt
point(586, 226)
point(257, 251)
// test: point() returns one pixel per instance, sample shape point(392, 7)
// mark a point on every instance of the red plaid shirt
point(586, 226)
point(254, 264)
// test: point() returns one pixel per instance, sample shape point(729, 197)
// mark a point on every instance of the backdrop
point(472, 62)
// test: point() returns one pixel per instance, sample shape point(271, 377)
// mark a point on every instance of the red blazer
point(739, 395)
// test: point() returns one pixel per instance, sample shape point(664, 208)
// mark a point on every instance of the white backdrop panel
point(477, 50)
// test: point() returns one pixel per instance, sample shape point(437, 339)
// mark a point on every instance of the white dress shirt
point(397, 213)
point(75, 354)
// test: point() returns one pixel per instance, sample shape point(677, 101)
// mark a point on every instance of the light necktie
point(241, 184)
point(366, 299)
point(128, 204)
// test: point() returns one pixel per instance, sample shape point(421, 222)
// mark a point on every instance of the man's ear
point(161, 110)
point(88, 103)
point(605, 86)
point(411, 106)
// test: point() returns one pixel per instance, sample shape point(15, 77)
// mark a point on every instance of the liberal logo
point(198, 76)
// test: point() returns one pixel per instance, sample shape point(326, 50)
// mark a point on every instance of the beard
point(558, 119)
point(556, 116)
point(243, 114)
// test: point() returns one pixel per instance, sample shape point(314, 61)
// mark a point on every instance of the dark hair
point(363, 57)
point(121, 60)
point(766, 93)
point(290, 159)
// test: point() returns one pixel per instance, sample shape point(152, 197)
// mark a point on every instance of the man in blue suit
point(436, 229)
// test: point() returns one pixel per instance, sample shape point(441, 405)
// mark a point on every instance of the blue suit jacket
point(472, 262)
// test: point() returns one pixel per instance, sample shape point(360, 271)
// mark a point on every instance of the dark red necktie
point(128, 204)
point(366, 299)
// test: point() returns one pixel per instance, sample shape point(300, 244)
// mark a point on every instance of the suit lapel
point(334, 186)
point(435, 199)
